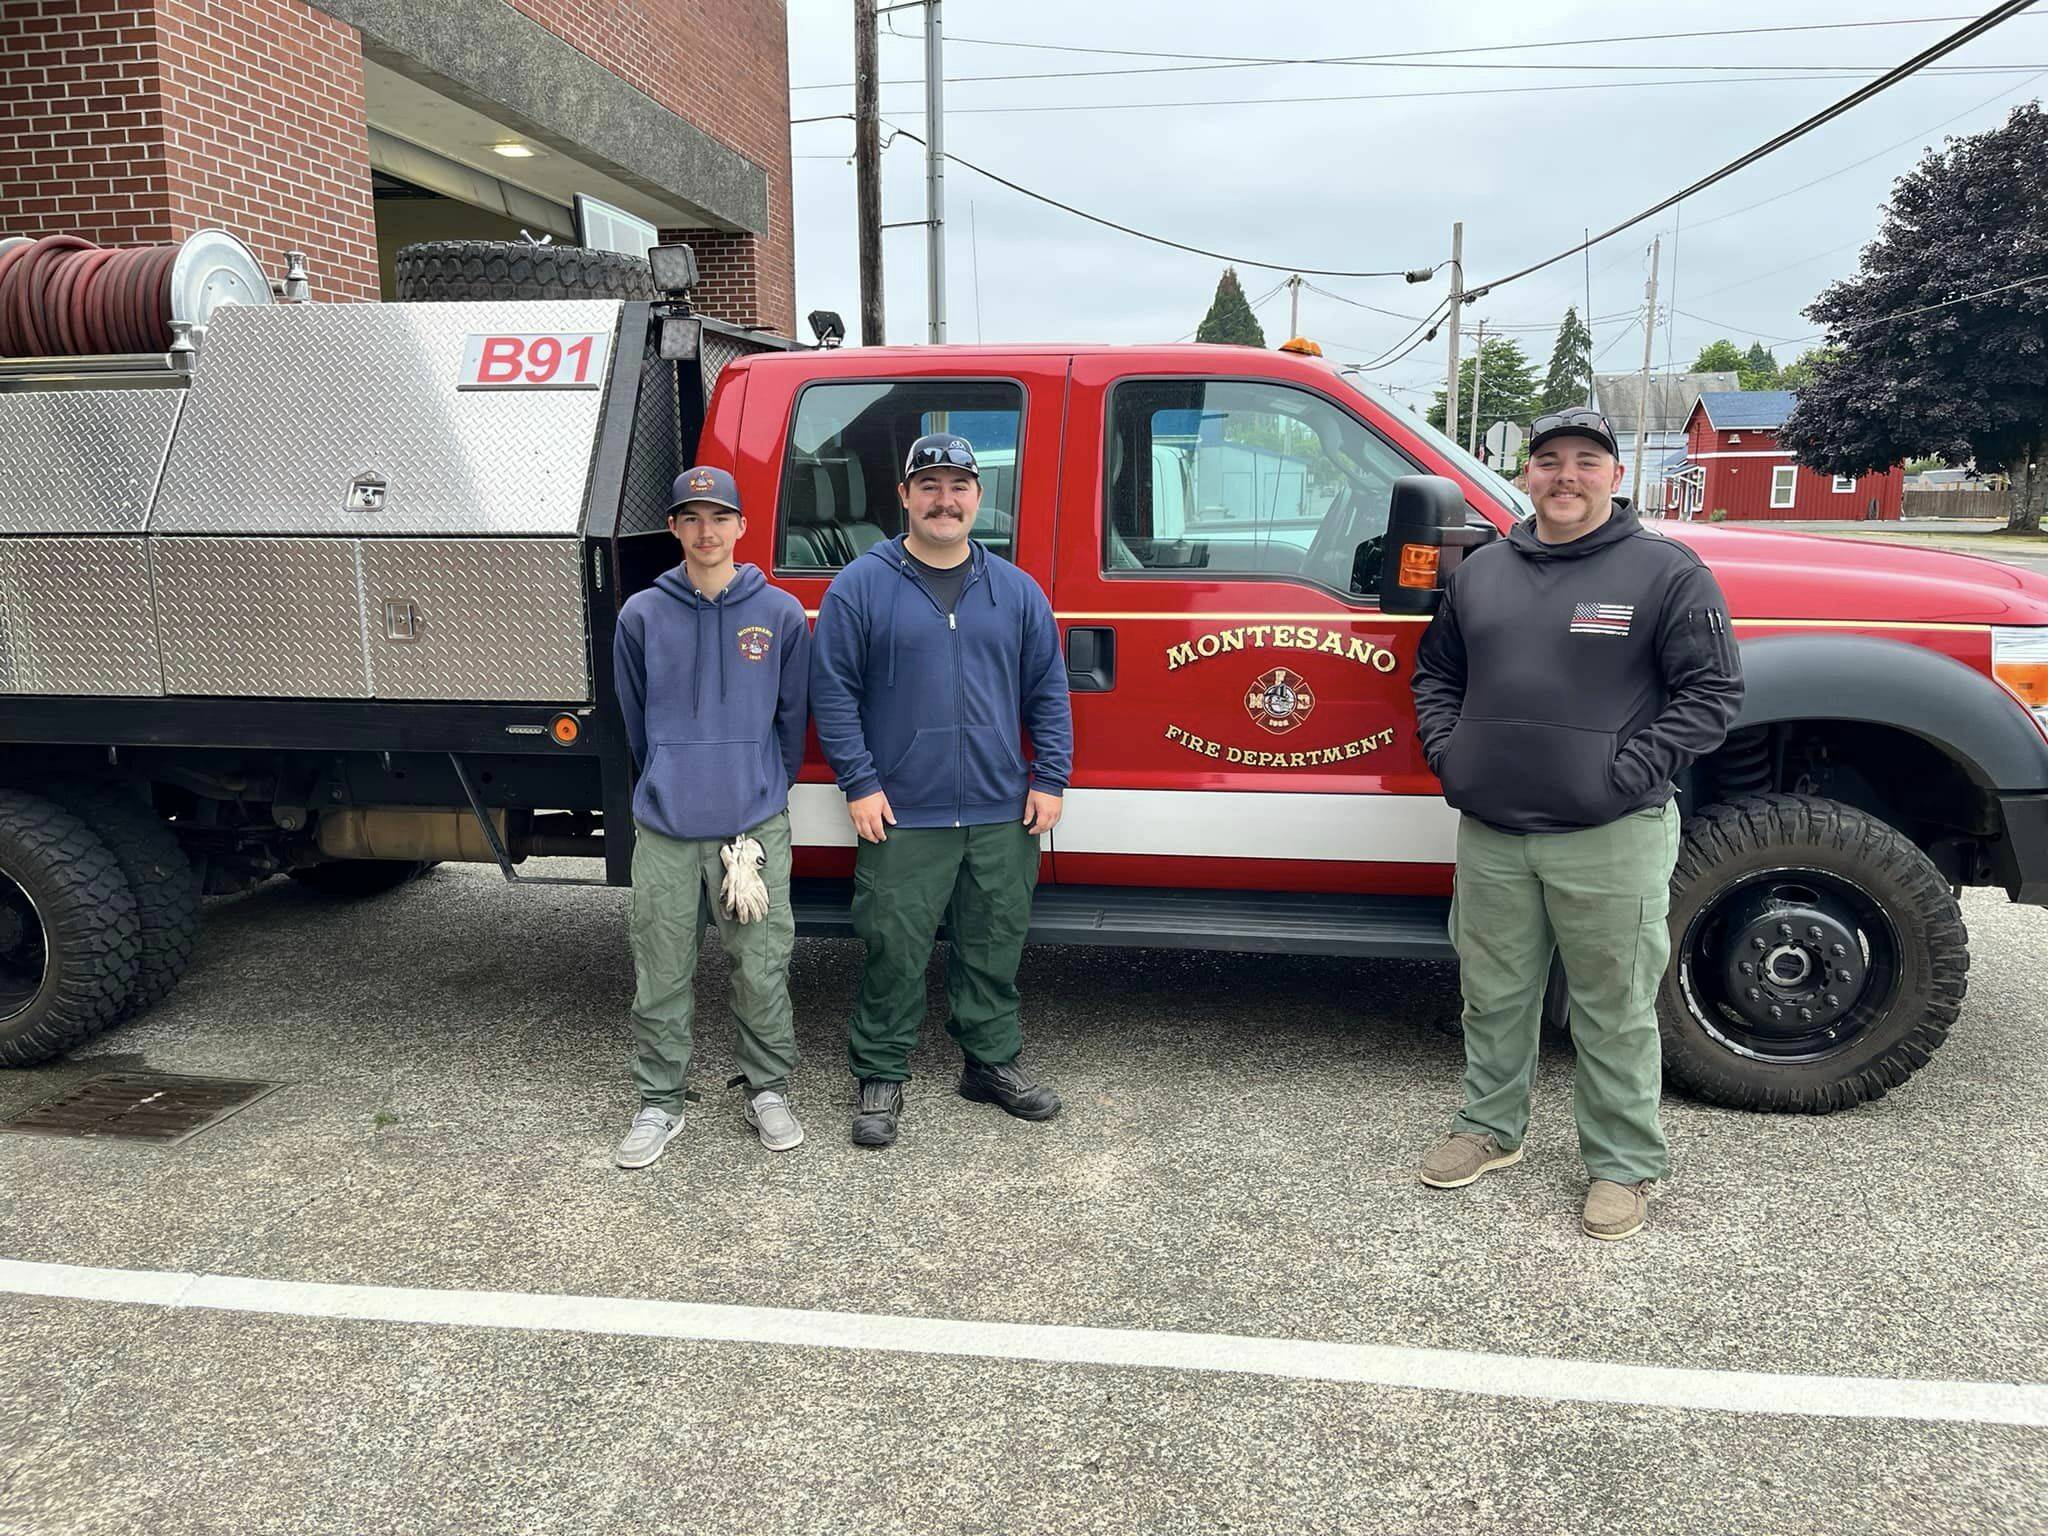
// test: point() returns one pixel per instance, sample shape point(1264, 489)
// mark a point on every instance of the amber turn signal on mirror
point(1419, 565)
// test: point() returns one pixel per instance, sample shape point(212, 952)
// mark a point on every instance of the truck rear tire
point(70, 938)
point(1818, 957)
point(161, 878)
point(359, 877)
point(515, 269)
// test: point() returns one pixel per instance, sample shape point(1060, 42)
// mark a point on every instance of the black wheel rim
point(24, 949)
point(1790, 965)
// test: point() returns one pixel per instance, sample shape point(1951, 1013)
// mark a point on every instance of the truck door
point(1241, 706)
point(824, 439)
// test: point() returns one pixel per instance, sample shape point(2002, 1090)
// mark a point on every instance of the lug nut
point(1837, 951)
point(1784, 930)
point(1842, 975)
point(1753, 995)
point(1806, 1015)
point(1757, 942)
point(1748, 969)
point(1777, 1012)
point(1833, 1001)
point(1813, 931)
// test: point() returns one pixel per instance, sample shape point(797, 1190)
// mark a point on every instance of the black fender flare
point(1888, 682)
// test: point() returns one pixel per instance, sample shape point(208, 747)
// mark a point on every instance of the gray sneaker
point(1461, 1157)
point(768, 1112)
point(653, 1129)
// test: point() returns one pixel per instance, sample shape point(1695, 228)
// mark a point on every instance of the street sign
point(1503, 443)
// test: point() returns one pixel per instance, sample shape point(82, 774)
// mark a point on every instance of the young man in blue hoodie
point(932, 658)
point(713, 671)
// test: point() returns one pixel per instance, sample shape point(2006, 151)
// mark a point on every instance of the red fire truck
point(374, 592)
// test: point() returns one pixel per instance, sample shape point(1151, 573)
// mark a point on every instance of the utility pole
point(1294, 306)
point(867, 160)
point(934, 172)
point(1643, 393)
point(1478, 364)
point(1457, 299)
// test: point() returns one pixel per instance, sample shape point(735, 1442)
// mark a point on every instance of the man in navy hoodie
point(932, 659)
point(713, 669)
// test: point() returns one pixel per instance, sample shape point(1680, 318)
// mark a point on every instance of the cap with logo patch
point(940, 450)
point(703, 483)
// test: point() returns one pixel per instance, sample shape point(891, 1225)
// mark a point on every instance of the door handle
point(1091, 660)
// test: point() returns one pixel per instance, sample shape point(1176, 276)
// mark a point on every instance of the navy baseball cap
point(940, 450)
point(704, 484)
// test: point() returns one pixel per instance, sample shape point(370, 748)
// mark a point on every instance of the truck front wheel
point(70, 938)
point(1818, 958)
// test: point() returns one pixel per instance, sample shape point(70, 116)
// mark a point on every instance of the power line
point(1877, 320)
point(1855, 98)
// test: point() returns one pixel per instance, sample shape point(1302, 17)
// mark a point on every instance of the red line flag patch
point(1602, 618)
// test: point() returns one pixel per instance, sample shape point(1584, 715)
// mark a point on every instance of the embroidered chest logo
point(1602, 618)
point(754, 642)
point(1280, 700)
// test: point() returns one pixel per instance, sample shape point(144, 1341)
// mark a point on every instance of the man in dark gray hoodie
point(1571, 671)
point(713, 670)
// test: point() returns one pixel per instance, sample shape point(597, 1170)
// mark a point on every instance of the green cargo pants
point(1599, 897)
point(979, 880)
point(675, 885)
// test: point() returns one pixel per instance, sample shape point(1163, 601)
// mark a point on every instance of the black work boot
point(1009, 1087)
point(874, 1117)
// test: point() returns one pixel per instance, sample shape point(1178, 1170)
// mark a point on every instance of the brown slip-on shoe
point(1461, 1157)
point(1615, 1211)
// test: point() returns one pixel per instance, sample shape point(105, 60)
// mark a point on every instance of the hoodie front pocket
point(928, 771)
point(992, 769)
point(699, 788)
point(1518, 773)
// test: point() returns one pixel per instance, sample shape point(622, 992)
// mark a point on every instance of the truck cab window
point(1238, 478)
point(846, 451)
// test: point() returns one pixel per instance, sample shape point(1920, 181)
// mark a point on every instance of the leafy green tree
point(1570, 377)
point(1759, 369)
point(1798, 373)
point(1230, 319)
point(1718, 357)
point(1901, 378)
point(1507, 389)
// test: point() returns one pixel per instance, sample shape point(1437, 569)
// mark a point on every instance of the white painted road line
point(1433, 1370)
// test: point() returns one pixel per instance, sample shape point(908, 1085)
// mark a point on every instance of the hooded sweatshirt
point(1561, 686)
point(927, 705)
point(713, 693)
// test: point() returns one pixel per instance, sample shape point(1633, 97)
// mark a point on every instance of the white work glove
point(744, 895)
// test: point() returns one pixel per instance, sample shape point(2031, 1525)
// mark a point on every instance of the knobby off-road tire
point(1847, 931)
point(70, 939)
point(160, 877)
point(514, 269)
point(359, 877)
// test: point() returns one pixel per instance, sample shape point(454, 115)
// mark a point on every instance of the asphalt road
point(1234, 1160)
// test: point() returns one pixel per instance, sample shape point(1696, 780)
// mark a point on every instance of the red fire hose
point(63, 296)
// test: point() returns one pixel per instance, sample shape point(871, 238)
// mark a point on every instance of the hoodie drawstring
point(697, 672)
point(895, 597)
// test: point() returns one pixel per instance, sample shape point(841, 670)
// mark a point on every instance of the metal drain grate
point(160, 1107)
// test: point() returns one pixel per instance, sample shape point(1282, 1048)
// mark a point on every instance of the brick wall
point(729, 283)
point(724, 66)
point(139, 121)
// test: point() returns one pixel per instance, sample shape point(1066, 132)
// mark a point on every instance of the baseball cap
point(940, 450)
point(1577, 421)
point(704, 483)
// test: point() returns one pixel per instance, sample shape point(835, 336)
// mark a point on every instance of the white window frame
point(1845, 485)
point(1790, 486)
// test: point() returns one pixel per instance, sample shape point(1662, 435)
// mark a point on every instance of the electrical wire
point(1875, 320)
point(1855, 98)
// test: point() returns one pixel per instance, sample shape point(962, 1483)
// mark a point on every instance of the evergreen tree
point(1230, 319)
point(1570, 378)
point(1507, 390)
point(1759, 369)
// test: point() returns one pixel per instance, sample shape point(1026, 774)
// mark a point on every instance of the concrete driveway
point(409, 1292)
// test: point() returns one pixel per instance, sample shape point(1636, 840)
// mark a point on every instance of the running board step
point(1261, 922)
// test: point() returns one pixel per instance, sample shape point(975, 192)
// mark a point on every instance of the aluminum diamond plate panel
point(6, 631)
point(292, 405)
point(79, 617)
point(476, 619)
point(264, 618)
point(82, 460)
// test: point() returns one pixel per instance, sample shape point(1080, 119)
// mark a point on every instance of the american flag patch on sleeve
point(1602, 618)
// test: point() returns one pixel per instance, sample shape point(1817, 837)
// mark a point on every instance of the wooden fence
point(1955, 504)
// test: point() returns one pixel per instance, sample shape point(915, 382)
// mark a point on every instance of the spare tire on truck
point(70, 939)
point(517, 269)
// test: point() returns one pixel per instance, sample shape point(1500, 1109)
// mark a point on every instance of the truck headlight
point(2019, 660)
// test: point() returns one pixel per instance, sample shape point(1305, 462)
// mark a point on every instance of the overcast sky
point(1376, 184)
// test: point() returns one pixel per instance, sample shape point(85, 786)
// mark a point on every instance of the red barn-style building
point(1732, 463)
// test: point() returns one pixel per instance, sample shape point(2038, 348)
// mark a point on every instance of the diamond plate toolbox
point(262, 618)
point(347, 419)
point(496, 619)
point(75, 617)
point(82, 460)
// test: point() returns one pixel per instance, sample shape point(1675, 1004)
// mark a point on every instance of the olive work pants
point(675, 888)
point(979, 880)
point(1599, 897)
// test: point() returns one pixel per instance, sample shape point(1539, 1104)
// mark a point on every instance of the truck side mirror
point(1427, 535)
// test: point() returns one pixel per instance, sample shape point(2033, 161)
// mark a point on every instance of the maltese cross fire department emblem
point(1280, 700)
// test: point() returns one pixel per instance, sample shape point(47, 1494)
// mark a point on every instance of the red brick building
point(1732, 464)
point(347, 128)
